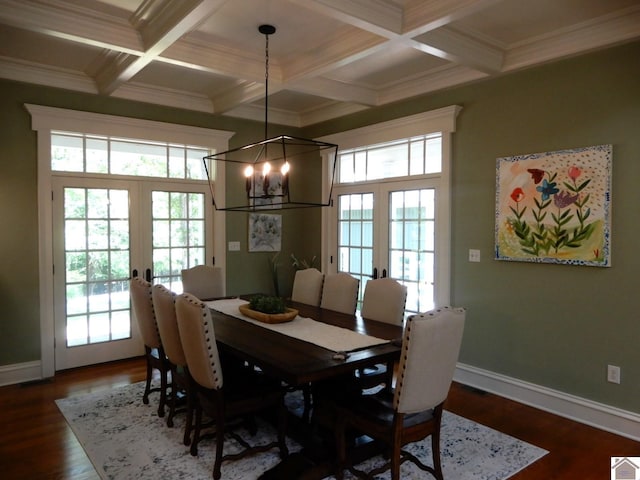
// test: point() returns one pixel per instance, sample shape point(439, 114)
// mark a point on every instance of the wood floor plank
point(36, 441)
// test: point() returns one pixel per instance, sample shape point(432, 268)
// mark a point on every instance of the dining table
point(317, 347)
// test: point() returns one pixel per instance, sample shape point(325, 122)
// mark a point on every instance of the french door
point(103, 230)
point(389, 229)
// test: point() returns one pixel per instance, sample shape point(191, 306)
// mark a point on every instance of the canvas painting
point(269, 197)
point(554, 207)
point(265, 232)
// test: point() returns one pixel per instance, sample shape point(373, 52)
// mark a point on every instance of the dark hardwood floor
point(36, 441)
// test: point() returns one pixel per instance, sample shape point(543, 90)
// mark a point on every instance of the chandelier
point(280, 172)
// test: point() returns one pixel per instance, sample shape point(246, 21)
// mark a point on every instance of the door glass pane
point(97, 264)
point(411, 245)
point(178, 235)
point(355, 242)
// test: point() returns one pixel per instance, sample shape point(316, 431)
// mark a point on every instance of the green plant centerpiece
point(268, 309)
point(267, 304)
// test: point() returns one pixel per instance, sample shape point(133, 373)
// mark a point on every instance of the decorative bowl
point(287, 316)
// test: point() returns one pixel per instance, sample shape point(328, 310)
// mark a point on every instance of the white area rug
point(125, 439)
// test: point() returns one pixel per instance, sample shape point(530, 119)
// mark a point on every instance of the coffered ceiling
point(328, 58)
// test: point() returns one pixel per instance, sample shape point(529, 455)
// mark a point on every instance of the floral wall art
point(265, 232)
point(554, 207)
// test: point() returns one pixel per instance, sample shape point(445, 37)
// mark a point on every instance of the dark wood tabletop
point(298, 362)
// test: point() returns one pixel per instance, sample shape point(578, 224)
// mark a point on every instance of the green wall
point(19, 283)
point(552, 325)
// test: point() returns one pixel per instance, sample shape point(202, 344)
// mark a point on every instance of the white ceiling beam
point(421, 16)
point(334, 90)
point(174, 20)
point(456, 47)
point(432, 81)
point(376, 16)
point(342, 49)
point(246, 92)
point(197, 52)
point(433, 14)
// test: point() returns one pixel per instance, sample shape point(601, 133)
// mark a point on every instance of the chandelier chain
point(266, 86)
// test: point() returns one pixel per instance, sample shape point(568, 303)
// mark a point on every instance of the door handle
point(384, 273)
point(147, 274)
point(134, 273)
point(375, 273)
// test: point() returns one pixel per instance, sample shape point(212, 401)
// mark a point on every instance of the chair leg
point(196, 431)
point(340, 447)
point(219, 446)
point(435, 448)
point(147, 387)
point(282, 429)
point(163, 388)
point(306, 393)
point(173, 399)
point(395, 460)
point(190, 409)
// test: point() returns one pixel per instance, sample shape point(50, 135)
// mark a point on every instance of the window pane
point(433, 155)
point(360, 166)
point(128, 158)
point(74, 203)
point(97, 203)
point(387, 162)
point(160, 204)
point(120, 325)
point(76, 152)
point(176, 162)
point(406, 157)
point(97, 155)
point(346, 168)
point(119, 203)
point(76, 299)
point(195, 165)
point(67, 153)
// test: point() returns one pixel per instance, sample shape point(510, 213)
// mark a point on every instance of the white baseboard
point(604, 417)
point(20, 372)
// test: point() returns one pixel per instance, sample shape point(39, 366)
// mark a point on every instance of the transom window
point(77, 152)
point(406, 157)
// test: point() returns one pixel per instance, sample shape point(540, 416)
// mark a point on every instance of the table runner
point(333, 338)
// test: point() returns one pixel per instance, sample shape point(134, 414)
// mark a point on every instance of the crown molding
point(604, 32)
point(69, 21)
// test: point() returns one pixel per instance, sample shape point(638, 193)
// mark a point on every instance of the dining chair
point(142, 304)
point(224, 395)
point(307, 286)
point(203, 281)
point(384, 301)
point(181, 381)
point(413, 411)
point(340, 293)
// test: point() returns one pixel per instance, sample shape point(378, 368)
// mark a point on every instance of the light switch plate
point(234, 246)
point(474, 255)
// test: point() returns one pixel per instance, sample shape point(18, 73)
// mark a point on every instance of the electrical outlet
point(613, 374)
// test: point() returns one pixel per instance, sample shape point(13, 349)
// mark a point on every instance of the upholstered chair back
point(142, 304)
point(384, 300)
point(430, 349)
point(203, 281)
point(199, 341)
point(307, 286)
point(340, 293)
point(164, 307)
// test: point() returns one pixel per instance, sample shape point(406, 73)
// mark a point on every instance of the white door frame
point(439, 120)
point(46, 119)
